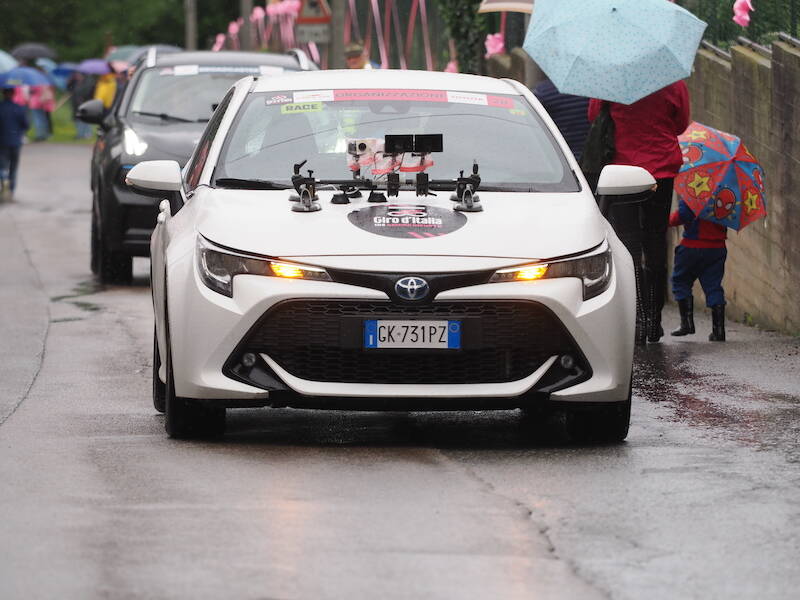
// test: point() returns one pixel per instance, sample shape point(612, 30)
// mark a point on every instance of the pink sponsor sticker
point(407, 95)
point(500, 101)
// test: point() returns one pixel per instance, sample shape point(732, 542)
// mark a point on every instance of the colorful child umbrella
point(720, 180)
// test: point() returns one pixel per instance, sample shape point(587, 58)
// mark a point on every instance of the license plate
point(383, 333)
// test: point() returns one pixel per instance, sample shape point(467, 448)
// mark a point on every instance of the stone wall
point(757, 98)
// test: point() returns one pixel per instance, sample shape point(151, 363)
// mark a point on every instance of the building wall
point(758, 99)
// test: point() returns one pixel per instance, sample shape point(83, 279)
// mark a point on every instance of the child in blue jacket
point(700, 255)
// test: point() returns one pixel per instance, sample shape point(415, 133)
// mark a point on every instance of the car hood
point(169, 141)
point(512, 225)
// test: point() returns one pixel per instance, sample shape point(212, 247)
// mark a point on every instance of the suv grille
point(321, 340)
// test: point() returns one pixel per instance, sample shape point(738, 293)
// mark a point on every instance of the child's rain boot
point(686, 307)
point(717, 324)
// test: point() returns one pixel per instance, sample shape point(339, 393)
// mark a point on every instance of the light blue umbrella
point(7, 62)
point(617, 50)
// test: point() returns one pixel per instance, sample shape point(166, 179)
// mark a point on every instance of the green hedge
point(768, 18)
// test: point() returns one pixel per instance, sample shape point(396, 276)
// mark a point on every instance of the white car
point(388, 240)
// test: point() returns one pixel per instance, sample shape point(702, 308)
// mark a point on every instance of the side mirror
point(91, 111)
point(156, 178)
point(624, 180)
point(622, 184)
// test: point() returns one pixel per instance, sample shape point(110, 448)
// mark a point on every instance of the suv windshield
point(502, 133)
point(185, 92)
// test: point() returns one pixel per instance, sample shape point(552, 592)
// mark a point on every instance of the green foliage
point(79, 29)
point(768, 18)
point(468, 29)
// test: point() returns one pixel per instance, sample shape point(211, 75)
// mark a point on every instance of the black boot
point(686, 306)
point(654, 305)
point(717, 324)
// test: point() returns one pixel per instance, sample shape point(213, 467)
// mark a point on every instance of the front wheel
point(159, 388)
point(187, 418)
point(601, 424)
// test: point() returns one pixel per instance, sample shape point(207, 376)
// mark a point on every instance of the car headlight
point(132, 144)
point(218, 267)
point(593, 269)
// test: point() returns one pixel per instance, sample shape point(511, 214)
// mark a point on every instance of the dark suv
point(160, 114)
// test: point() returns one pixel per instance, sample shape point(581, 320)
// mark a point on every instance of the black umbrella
point(32, 51)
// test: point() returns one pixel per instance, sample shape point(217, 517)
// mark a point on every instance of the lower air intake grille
point(321, 340)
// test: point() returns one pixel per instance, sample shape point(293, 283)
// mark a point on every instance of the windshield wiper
point(163, 116)
point(249, 184)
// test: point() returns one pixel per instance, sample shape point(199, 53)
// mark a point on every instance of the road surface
point(702, 501)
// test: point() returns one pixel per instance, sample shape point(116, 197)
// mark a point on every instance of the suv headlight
point(593, 269)
point(218, 267)
point(132, 144)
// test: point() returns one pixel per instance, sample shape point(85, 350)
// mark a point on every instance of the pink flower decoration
point(233, 28)
point(494, 44)
point(741, 12)
point(219, 42)
point(452, 67)
point(257, 14)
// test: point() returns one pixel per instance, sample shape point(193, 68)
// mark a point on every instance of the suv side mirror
point(91, 111)
point(622, 184)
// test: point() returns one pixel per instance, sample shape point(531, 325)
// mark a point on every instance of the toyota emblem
point(411, 288)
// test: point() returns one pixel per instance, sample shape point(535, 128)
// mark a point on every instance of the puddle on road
point(713, 401)
point(84, 288)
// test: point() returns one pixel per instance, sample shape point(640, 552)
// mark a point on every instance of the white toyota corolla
point(388, 239)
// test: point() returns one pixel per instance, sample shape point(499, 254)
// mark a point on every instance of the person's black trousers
point(642, 227)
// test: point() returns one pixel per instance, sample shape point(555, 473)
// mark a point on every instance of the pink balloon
point(233, 28)
point(494, 44)
point(741, 12)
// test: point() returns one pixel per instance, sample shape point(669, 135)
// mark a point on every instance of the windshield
point(340, 131)
point(185, 92)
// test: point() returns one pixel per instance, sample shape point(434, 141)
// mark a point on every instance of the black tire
point(600, 424)
point(95, 244)
point(187, 418)
point(159, 387)
point(114, 267)
point(109, 266)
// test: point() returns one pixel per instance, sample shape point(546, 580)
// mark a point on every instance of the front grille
point(320, 340)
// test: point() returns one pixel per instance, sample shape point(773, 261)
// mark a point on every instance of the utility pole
point(336, 56)
point(190, 24)
point(246, 31)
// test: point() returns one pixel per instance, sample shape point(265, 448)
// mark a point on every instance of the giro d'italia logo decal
point(414, 221)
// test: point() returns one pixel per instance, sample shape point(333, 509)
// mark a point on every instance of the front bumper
point(210, 333)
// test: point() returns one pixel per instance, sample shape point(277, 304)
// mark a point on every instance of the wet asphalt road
point(702, 501)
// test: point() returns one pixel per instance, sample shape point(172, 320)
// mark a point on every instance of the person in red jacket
point(700, 255)
point(646, 135)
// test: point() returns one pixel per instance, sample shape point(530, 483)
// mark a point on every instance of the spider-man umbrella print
point(720, 180)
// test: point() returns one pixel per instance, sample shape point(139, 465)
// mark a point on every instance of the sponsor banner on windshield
point(314, 96)
point(184, 70)
point(391, 95)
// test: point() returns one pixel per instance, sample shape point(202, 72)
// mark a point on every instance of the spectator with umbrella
point(720, 186)
point(106, 86)
point(13, 125)
point(34, 90)
point(630, 57)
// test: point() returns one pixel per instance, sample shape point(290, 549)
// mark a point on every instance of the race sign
point(314, 12)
